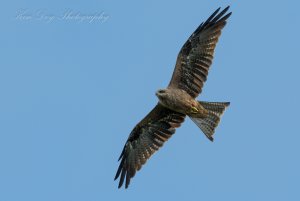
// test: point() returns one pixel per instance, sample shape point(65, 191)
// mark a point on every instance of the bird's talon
point(194, 109)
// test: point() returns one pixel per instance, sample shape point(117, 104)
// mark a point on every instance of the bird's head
point(161, 93)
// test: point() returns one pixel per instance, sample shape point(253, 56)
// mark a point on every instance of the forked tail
point(209, 123)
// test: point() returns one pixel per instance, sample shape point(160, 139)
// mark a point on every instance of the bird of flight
point(178, 100)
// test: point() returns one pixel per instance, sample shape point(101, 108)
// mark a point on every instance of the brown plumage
point(178, 100)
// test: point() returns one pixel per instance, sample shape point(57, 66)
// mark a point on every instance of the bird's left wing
point(196, 55)
point(146, 138)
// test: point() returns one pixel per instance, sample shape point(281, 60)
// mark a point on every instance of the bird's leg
point(194, 110)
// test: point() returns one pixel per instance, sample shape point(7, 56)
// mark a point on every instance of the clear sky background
point(71, 91)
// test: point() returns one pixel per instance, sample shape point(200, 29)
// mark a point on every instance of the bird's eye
point(161, 91)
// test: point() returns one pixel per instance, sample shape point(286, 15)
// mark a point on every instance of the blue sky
point(71, 91)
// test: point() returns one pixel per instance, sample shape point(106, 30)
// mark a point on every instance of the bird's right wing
point(146, 138)
point(196, 55)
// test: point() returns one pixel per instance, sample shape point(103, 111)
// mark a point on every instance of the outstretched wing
point(146, 138)
point(196, 55)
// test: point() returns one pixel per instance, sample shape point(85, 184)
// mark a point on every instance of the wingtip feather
point(122, 179)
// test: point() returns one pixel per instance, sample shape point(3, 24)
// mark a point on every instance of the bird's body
point(178, 100)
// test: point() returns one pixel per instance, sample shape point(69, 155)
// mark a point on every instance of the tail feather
point(209, 123)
